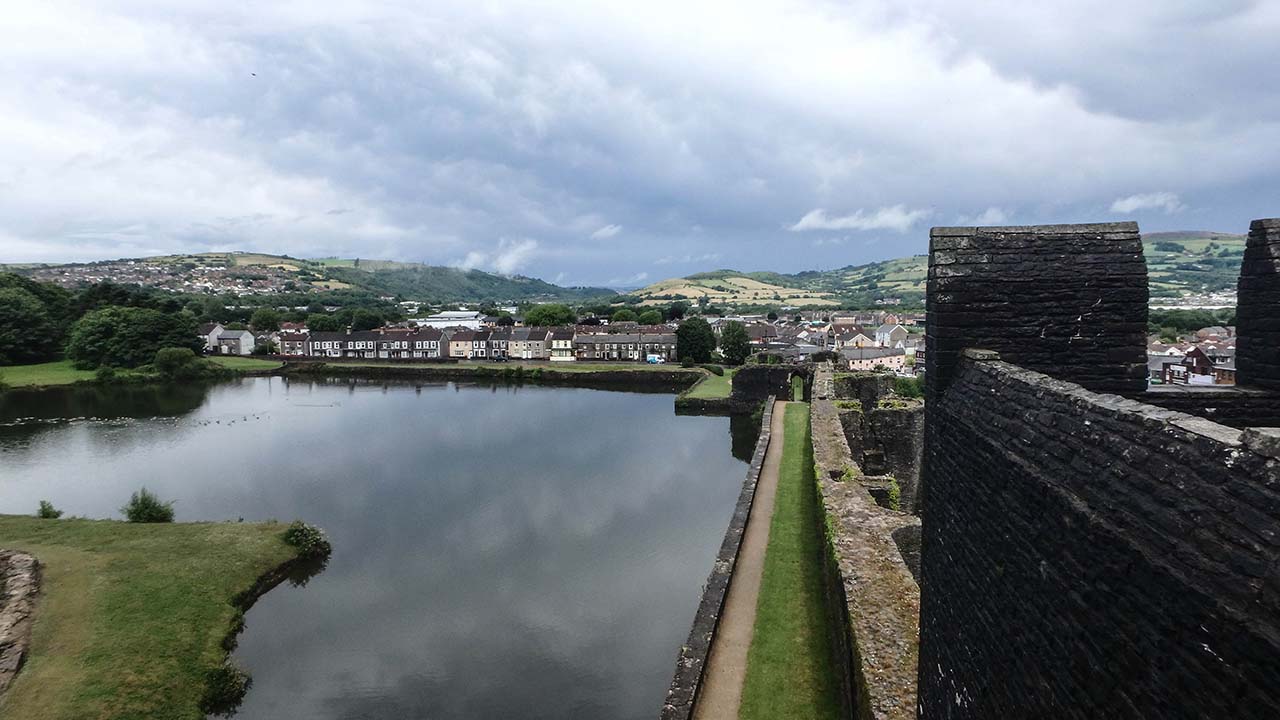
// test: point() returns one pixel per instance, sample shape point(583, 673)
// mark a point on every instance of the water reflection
point(499, 551)
point(101, 401)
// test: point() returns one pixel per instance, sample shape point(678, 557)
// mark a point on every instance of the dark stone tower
point(1066, 300)
point(1258, 308)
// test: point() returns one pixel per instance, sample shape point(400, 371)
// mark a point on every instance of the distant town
point(862, 341)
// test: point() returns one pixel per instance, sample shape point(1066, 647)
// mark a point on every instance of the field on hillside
point(1205, 263)
point(734, 290)
point(1180, 264)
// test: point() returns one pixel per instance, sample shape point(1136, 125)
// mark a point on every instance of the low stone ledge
point(19, 585)
point(1264, 441)
point(682, 695)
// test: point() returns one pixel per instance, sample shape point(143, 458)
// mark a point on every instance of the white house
point(857, 358)
point(468, 319)
point(235, 342)
point(891, 335)
point(209, 333)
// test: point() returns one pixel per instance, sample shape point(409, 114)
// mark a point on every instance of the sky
point(621, 143)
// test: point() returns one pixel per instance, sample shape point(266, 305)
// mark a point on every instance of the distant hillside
point(256, 273)
point(1187, 263)
point(1182, 264)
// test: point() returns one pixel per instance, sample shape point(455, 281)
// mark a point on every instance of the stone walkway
point(726, 670)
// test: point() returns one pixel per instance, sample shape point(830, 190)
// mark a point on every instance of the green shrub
point(173, 362)
point(849, 474)
point(145, 507)
point(106, 375)
point(687, 363)
point(910, 387)
point(308, 539)
point(713, 369)
point(48, 511)
point(895, 495)
point(225, 688)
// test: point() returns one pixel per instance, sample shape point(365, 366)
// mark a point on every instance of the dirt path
point(726, 669)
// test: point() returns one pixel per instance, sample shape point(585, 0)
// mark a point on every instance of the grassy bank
point(51, 373)
point(246, 364)
point(713, 386)
point(62, 372)
point(790, 672)
point(131, 616)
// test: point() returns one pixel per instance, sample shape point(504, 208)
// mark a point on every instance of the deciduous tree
point(265, 320)
point(695, 341)
point(549, 315)
point(650, 317)
point(735, 344)
point(28, 333)
point(128, 336)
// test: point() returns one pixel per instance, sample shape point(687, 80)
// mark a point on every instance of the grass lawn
point(237, 362)
point(713, 386)
point(131, 616)
point(51, 373)
point(790, 673)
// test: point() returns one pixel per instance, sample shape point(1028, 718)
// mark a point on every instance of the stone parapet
point(873, 599)
point(1067, 300)
point(1258, 308)
point(1091, 556)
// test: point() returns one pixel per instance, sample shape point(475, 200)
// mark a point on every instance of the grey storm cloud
point(585, 141)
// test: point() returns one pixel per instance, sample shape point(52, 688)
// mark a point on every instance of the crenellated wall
point(1257, 322)
point(873, 599)
point(1087, 555)
point(1069, 300)
point(885, 432)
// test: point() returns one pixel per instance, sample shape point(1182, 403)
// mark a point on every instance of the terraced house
point(387, 344)
point(410, 344)
point(528, 344)
point(625, 346)
point(562, 345)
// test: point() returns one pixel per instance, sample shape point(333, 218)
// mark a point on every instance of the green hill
point(1181, 264)
point(260, 274)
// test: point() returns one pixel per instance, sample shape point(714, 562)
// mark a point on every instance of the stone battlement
point(1088, 554)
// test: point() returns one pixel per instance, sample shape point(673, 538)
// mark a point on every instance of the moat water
point(499, 552)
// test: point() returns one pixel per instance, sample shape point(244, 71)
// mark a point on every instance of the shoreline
point(668, 379)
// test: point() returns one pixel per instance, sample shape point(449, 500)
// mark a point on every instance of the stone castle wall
point(872, 598)
point(1087, 555)
point(1258, 349)
point(1069, 300)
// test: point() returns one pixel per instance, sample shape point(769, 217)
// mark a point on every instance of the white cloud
point(674, 259)
point(474, 260)
point(637, 279)
point(1166, 201)
point(514, 255)
point(507, 259)
point(827, 241)
point(607, 231)
point(894, 217)
point(990, 216)
point(130, 128)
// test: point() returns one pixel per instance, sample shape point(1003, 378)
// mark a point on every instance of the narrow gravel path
point(726, 669)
